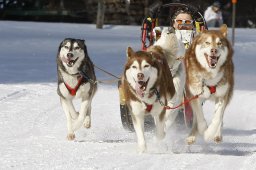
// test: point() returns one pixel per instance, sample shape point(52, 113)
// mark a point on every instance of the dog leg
point(160, 133)
point(198, 110)
point(138, 123)
point(85, 105)
point(74, 114)
point(65, 105)
point(171, 115)
point(214, 129)
point(191, 139)
point(71, 108)
point(87, 120)
point(179, 85)
point(218, 136)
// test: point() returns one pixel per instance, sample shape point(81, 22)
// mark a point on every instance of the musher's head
point(182, 19)
point(216, 6)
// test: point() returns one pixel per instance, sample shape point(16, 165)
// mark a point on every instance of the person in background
point(213, 15)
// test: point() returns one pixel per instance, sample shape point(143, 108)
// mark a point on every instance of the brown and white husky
point(146, 81)
point(209, 71)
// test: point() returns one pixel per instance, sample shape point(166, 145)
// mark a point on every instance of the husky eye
point(146, 66)
point(207, 43)
point(219, 43)
point(66, 47)
point(134, 67)
point(77, 48)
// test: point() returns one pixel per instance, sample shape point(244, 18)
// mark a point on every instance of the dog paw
point(71, 136)
point(160, 136)
point(141, 148)
point(87, 122)
point(191, 140)
point(217, 139)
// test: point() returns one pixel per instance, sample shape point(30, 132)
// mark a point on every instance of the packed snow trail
point(33, 124)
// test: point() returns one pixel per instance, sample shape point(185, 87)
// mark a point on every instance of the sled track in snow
point(13, 94)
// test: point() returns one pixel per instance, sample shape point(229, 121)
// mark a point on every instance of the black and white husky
point(76, 79)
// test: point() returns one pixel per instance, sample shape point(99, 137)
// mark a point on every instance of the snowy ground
point(33, 125)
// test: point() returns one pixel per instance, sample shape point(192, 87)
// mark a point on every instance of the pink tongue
point(214, 61)
point(138, 90)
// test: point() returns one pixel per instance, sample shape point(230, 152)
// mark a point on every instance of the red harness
point(212, 89)
point(149, 107)
point(71, 90)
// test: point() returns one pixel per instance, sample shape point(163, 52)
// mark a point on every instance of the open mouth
point(69, 62)
point(212, 60)
point(140, 87)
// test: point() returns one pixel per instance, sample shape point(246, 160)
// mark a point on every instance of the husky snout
point(70, 55)
point(140, 76)
point(214, 52)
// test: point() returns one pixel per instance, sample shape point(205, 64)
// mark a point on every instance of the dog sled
point(150, 32)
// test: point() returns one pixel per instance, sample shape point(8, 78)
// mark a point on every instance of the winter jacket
point(210, 15)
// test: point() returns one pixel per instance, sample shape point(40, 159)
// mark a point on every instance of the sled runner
point(150, 32)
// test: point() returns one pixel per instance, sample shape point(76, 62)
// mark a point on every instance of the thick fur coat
point(76, 79)
point(210, 75)
point(146, 81)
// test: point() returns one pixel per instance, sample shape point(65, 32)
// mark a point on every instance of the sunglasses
point(183, 21)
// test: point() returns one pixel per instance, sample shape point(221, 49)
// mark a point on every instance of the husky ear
point(129, 52)
point(224, 30)
point(62, 43)
point(83, 41)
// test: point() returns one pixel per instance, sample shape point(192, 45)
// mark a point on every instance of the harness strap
point(175, 107)
point(71, 90)
point(183, 103)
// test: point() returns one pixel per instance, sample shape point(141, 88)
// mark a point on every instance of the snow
point(33, 124)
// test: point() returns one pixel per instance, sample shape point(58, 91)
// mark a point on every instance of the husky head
point(141, 72)
point(146, 70)
point(71, 53)
point(212, 48)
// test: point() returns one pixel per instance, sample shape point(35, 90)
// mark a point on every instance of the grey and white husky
point(76, 80)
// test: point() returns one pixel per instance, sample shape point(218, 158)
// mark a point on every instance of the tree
point(100, 14)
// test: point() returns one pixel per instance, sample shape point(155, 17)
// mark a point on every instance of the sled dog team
point(149, 87)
